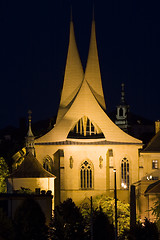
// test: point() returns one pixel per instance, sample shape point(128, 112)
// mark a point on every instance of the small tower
point(122, 112)
point(30, 136)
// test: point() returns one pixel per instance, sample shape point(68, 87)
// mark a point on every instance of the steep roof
point(73, 75)
point(92, 72)
point(31, 168)
point(154, 144)
point(85, 104)
point(84, 97)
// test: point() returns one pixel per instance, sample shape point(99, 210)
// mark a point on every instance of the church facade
point(85, 146)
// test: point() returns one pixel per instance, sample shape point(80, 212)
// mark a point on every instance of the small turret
point(122, 112)
point(30, 136)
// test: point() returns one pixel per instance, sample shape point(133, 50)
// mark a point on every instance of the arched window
point(86, 175)
point(125, 173)
point(48, 163)
point(85, 128)
point(121, 112)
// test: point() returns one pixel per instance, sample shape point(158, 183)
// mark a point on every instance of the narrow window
point(86, 176)
point(48, 163)
point(154, 164)
point(121, 112)
point(125, 173)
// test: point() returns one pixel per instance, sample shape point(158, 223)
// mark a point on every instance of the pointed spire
point(73, 75)
point(122, 94)
point(93, 13)
point(71, 16)
point(92, 73)
point(30, 136)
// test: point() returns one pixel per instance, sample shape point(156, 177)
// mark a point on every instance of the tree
point(107, 205)
point(145, 231)
point(6, 227)
point(156, 212)
point(4, 172)
point(29, 221)
point(102, 228)
point(67, 223)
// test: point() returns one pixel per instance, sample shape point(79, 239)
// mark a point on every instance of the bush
point(29, 221)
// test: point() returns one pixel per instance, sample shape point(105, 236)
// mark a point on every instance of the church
point(85, 146)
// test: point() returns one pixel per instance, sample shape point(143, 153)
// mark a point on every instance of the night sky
point(33, 49)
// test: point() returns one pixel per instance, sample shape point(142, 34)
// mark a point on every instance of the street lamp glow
point(124, 185)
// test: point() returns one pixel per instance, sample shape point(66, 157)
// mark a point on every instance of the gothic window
point(125, 173)
point(154, 164)
point(110, 154)
point(48, 163)
point(86, 175)
point(85, 128)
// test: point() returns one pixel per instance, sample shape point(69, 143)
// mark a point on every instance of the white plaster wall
point(32, 183)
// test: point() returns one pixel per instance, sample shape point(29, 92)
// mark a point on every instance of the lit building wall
point(31, 183)
point(102, 166)
point(151, 162)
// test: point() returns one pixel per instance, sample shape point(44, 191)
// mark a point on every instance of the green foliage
point(102, 228)
point(29, 221)
point(156, 212)
point(6, 227)
point(4, 172)
point(67, 223)
point(156, 209)
point(107, 205)
point(145, 231)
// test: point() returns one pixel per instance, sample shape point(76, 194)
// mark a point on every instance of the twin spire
point(75, 76)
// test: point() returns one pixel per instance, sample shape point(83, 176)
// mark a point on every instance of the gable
point(85, 128)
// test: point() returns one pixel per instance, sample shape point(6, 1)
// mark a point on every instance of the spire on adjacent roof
point(122, 94)
point(31, 168)
point(92, 73)
point(30, 136)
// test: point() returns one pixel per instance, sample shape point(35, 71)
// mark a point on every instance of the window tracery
point(85, 128)
point(86, 175)
point(125, 173)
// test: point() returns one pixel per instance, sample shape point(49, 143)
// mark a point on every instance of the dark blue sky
point(33, 49)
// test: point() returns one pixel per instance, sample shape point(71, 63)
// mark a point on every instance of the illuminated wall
point(31, 183)
point(102, 168)
point(85, 145)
